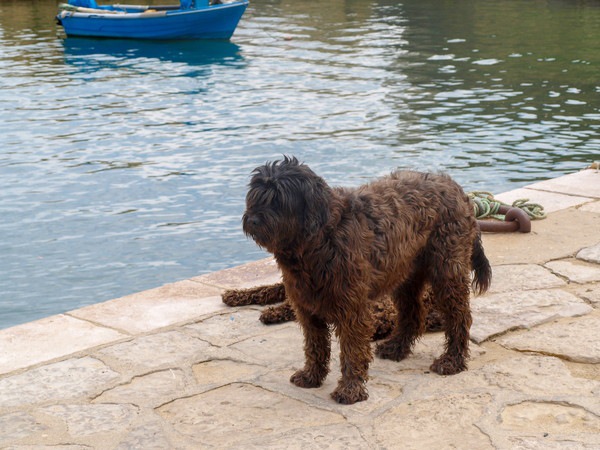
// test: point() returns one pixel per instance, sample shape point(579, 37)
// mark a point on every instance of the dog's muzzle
point(251, 225)
point(255, 228)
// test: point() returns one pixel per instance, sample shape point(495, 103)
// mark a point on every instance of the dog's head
point(286, 204)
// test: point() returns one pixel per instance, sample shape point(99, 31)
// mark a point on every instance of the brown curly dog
point(338, 248)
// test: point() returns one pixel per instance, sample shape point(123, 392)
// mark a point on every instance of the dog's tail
point(481, 267)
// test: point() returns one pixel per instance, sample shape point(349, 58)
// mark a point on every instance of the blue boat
point(192, 19)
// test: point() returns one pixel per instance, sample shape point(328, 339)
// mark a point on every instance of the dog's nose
point(251, 222)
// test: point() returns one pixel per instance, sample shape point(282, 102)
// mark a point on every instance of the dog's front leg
point(355, 356)
point(317, 350)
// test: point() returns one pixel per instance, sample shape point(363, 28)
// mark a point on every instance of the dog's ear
point(316, 209)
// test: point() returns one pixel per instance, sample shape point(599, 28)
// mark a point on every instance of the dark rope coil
point(509, 218)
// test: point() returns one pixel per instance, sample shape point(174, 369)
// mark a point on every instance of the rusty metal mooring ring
point(515, 219)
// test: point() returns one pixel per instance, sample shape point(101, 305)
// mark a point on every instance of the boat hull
point(213, 22)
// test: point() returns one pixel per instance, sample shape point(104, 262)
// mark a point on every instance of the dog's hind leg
point(452, 300)
point(317, 351)
point(410, 323)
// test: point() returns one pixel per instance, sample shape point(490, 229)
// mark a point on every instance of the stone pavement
point(173, 368)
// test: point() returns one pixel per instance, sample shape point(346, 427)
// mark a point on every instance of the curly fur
point(339, 248)
point(383, 310)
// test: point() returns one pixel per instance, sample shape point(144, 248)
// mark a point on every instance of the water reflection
point(95, 54)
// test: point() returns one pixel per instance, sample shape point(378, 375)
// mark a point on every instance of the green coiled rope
point(486, 206)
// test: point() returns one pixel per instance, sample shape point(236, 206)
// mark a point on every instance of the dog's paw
point(350, 393)
point(448, 365)
point(234, 297)
point(305, 379)
point(391, 350)
point(277, 314)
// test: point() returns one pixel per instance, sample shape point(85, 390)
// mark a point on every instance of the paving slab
point(562, 338)
point(18, 425)
point(150, 435)
point(337, 436)
point(248, 275)
point(497, 313)
point(591, 254)
point(86, 420)
point(575, 271)
point(561, 235)
point(522, 277)
point(49, 447)
point(441, 422)
point(139, 355)
point(228, 415)
point(151, 390)
point(551, 201)
point(60, 381)
point(585, 183)
point(281, 347)
point(219, 372)
point(234, 325)
point(591, 207)
point(31, 343)
point(156, 308)
point(555, 419)
point(589, 292)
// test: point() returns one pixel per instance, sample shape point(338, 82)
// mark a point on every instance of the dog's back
point(402, 216)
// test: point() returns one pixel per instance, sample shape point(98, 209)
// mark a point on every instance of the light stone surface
point(18, 425)
point(340, 437)
point(49, 447)
point(593, 207)
point(221, 372)
point(148, 436)
point(225, 329)
point(520, 277)
point(497, 313)
point(60, 381)
point(590, 293)
point(543, 443)
point(244, 412)
point(34, 342)
point(443, 422)
point(156, 308)
point(562, 338)
point(534, 376)
point(508, 378)
point(283, 347)
point(139, 355)
point(590, 254)
point(585, 183)
point(85, 420)
point(256, 273)
point(551, 201)
point(560, 235)
point(575, 271)
point(150, 390)
point(559, 419)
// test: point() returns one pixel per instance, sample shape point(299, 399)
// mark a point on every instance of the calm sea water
point(123, 165)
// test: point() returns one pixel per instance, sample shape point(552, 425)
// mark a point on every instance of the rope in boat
point(486, 206)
